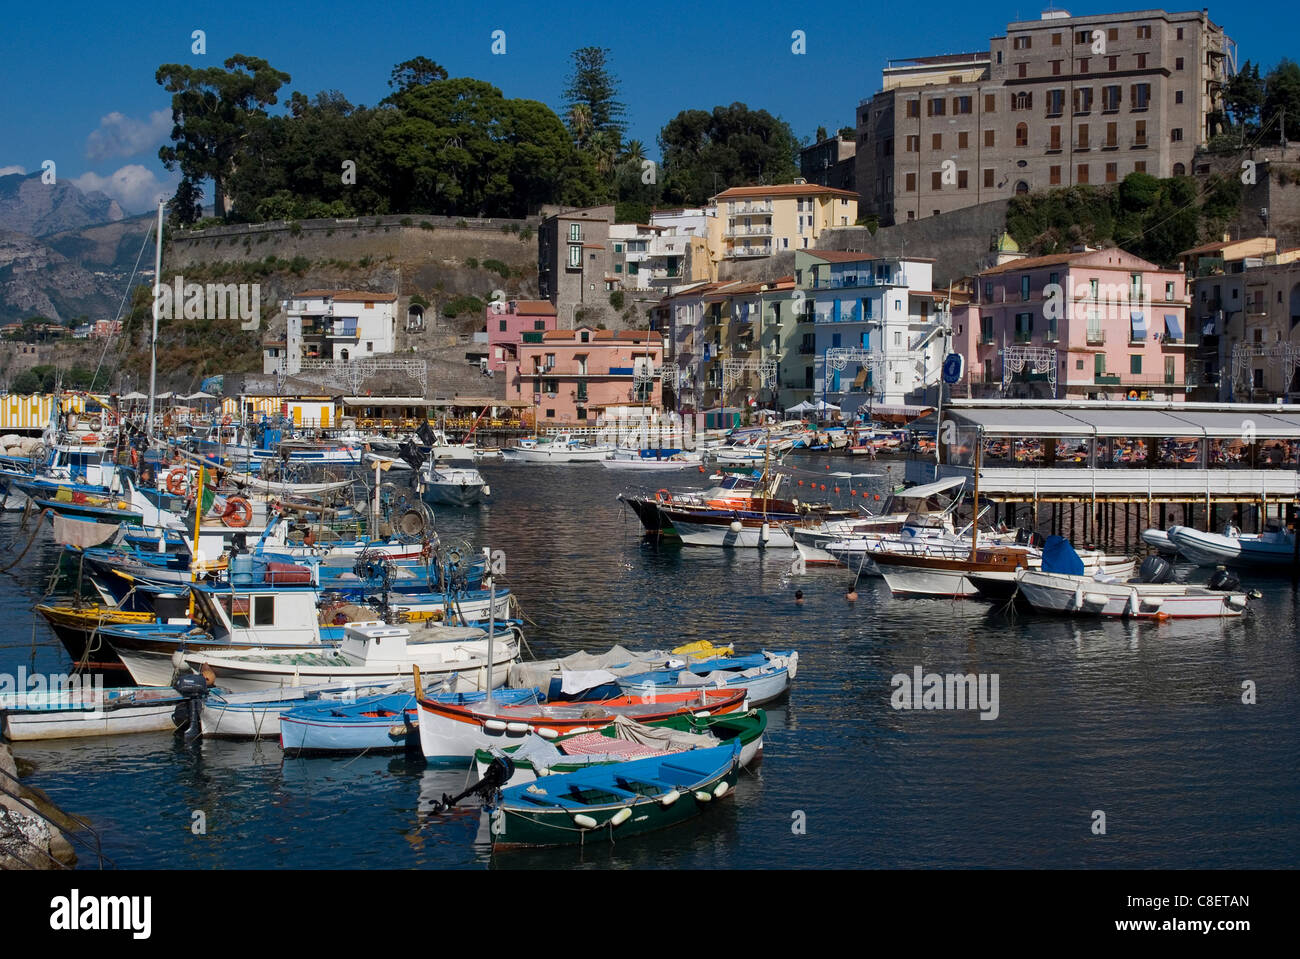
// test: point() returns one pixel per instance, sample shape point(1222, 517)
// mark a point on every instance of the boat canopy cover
point(1059, 557)
point(931, 489)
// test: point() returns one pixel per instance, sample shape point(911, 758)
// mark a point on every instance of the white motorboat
point(651, 460)
point(1274, 547)
point(87, 711)
point(1116, 596)
point(450, 485)
point(561, 448)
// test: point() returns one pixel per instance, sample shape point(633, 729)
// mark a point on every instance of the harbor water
point(1184, 736)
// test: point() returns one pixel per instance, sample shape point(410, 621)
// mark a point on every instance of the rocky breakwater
point(31, 827)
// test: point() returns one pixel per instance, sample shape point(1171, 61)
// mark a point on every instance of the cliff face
point(37, 280)
point(29, 206)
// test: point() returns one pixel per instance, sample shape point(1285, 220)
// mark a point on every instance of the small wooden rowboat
point(607, 803)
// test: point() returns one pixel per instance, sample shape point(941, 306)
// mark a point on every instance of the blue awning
point(1173, 327)
point(1139, 322)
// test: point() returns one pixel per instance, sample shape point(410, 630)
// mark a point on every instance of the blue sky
point(78, 79)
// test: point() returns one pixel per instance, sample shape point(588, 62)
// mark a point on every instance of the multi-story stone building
point(1054, 102)
point(574, 265)
point(1246, 303)
point(1090, 324)
point(754, 221)
point(831, 162)
point(878, 333)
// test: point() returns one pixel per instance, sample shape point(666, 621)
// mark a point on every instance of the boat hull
point(1085, 596)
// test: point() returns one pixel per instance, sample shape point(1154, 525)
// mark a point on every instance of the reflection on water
point(1142, 720)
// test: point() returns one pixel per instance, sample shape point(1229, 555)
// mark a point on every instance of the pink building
point(567, 374)
point(506, 324)
point(1091, 324)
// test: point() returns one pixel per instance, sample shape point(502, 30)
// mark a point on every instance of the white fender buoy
point(765, 534)
point(546, 733)
point(1095, 599)
point(543, 771)
point(178, 659)
point(668, 798)
point(495, 725)
point(585, 821)
point(720, 789)
point(702, 796)
point(1133, 603)
point(1078, 597)
point(620, 817)
point(517, 727)
point(735, 526)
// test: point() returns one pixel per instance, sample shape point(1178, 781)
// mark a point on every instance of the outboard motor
point(1027, 537)
point(495, 776)
point(1155, 569)
point(188, 715)
point(1223, 580)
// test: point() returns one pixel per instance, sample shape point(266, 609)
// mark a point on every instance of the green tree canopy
point(593, 85)
point(212, 110)
point(704, 153)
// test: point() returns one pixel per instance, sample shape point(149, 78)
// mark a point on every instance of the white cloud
point(122, 136)
point(6, 170)
point(135, 187)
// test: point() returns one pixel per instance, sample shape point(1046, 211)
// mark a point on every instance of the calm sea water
point(1143, 722)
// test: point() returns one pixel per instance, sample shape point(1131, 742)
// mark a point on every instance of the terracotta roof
point(346, 296)
point(1221, 245)
point(537, 307)
point(1061, 259)
point(783, 189)
point(841, 256)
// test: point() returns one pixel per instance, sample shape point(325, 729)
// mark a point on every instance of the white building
point(332, 325)
point(879, 337)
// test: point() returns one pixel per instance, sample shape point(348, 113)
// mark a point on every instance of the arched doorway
point(1021, 187)
point(415, 319)
point(1180, 170)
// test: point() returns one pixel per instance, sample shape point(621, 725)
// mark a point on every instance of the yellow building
point(751, 221)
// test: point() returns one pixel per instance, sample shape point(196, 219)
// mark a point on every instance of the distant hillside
point(108, 247)
point(38, 209)
point(37, 280)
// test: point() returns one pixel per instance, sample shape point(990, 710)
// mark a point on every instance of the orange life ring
point(238, 512)
point(90, 438)
point(226, 420)
point(176, 480)
point(663, 496)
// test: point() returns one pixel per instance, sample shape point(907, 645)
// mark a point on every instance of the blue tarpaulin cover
point(1059, 557)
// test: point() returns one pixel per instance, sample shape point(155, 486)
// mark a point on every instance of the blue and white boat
point(764, 676)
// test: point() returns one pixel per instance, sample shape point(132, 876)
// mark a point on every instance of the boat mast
point(153, 342)
point(975, 508)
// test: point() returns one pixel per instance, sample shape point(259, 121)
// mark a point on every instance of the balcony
point(806, 350)
point(1140, 143)
point(1023, 336)
point(986, 339)
point(745, 209)
point(762, 229)
point(1095, 337)
point(737, 252)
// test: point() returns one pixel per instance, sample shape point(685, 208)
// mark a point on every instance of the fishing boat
point(584, 676)
point(1275, 547)
point(764, 677)
point(86, 711)
point(650, 460)
point(733, 491)
point(560, 448)
point(608, 802)
point(451, 734)
point(370, 653)
point(373, 723)
point(256, 715)
point(624, 739)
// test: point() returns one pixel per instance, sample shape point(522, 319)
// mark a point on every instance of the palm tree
point(604, 146)
point(580, 124)
point(634, 152)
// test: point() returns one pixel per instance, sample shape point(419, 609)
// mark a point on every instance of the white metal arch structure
point(353, 373)
point(734, 370)
point(1282, 356)
point(1039, 359)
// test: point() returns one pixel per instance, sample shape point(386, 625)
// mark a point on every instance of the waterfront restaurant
point(1098, 453)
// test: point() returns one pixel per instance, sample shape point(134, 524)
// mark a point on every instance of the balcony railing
point(1095, 337)
point(738, 251)
point(744, 209)
point(756, 230)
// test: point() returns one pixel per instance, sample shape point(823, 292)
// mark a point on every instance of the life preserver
point(1132, 394)
point(90, 438)
point(176, 480)
point(226, 420)
point(97, 423)
point(238, 512)
point(135, 457)
point(663, 496)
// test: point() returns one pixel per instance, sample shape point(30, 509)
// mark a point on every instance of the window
point(1180, 33)
point(1144, 32)
point(960, 105)
point(1178, 63)
point(913, 144)
point(575, 232)
point(1082, 100)
point(1140, 133)
point(1022, 70)
point(1054, 139)
point(618, 268)
point(1022, 101)
point(1082, 143)
point(1112, 34)
point(539, 324)
point(503, 326)
point(263, 610)
point(1056, 68)
point(1055, 102)
point(550, 414)
point(1022, 135)
point(1176, 134)
point(988, 292)
point(988, 138)
point(936, 141)
point(1180, 170)
point(934, 107)
point(1083, 64)
point(990, 103)
point(1169, 291)
point(582, 410)
point(1169, 370)
point(1135, 363)
point(936, 180)
point(1083, 36)
point(1112, 64)
point(1056, 39)
point(1112, 172)
point(1140, 95)
point(961, 183)
point(898, 336)
point(963, 140)
point(913, 109)
point(988, 179)
point(618, 248)
point(1178, 96)
point(1024, 288)
point(1078, 364)
point(1021, 43)
point(1024, 327)
point(1053, 176)
point(1142, 61)
point(1082, 176)
point(911, 183)
point(575, 257)
point(1110, 99)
